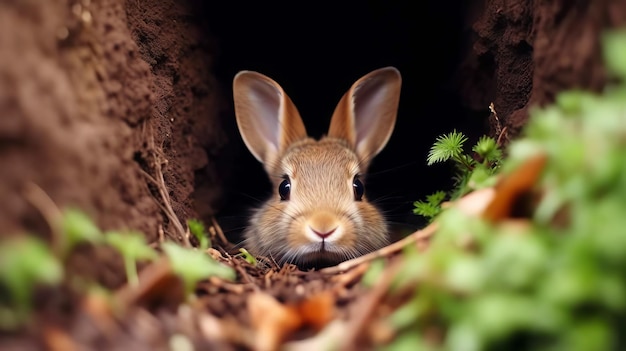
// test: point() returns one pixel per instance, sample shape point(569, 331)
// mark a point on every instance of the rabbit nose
point(324, 235)
point(322, 224)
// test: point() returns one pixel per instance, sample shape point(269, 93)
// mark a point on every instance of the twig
point(344, 279)
point(219, 231)
point(414, 238)
point(366, 308)
point(169, 212)
point(159, 182)
point(245, 275)
point(168, 204)
point(501, 132)
point(51, 213)
point(161, 234)
point(492, 108)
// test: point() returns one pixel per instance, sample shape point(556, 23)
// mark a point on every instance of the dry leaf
point(99, 307)
point(317, 310)
point(327, 339)
point(158, 286)
point(271, 320)
point(512, 186)
point(58, 340)
point(474, 203)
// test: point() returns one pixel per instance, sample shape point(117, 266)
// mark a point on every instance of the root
point(158, 160)
point(51, 213)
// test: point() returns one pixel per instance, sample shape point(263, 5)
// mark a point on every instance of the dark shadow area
point(316, 52)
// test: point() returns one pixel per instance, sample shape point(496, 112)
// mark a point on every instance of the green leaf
point(496, 315)
point(25, 263)
point(487, 148)
point(446, 147)
point(198, 230)
point(248, 256)
point(614, 50)
point(593, 334)
point(515, 260)
point(78, 227)
point(193, 266)
point(436, 198)
point(481, 177)
point(432, 207)
point(408, 342)
point(463, 337)
point(131, 244)
point(133, 247)
point(464, 274)
point(373, 273)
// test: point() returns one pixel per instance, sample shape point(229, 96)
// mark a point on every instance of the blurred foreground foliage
point(28, 263)
point(554, 279)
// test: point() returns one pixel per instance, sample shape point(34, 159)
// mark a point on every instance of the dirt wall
point(520, 53)
point(90, 93)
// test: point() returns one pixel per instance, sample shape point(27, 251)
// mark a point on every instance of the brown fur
point(321, 173)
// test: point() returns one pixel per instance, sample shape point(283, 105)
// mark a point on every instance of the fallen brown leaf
point(275, 322)
point(271, 320)
point(158, 286)
point(58, 340)
point(512, 186)
point(317, 310)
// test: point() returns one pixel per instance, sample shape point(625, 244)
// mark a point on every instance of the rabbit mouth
point(318, 255)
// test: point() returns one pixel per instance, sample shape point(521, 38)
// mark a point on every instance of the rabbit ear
point(366, 114)
point(268, 121)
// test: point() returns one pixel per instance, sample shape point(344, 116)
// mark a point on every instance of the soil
point(100, 98)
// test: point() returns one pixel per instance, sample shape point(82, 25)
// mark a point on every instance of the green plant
point(248, 256)
point(198, 230)
point(193, 266)
point(133, 247)
point(25, 263)
point(77, 228)
point(431, 207)
point(471, 172)
point(555, 281)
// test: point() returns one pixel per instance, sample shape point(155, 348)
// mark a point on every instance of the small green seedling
point(78, 227)
point(248, 256)
point(193, 265)
point(132, 246)
point(198, 230)
point(471, 172)
point(25, 263)
point(431, 207)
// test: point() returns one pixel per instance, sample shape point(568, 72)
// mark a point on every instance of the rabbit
point(318, 215)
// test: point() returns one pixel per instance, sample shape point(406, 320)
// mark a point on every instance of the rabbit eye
point(284, 188)
point(359, 189)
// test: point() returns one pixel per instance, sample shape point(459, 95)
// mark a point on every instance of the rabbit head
point(318, 214)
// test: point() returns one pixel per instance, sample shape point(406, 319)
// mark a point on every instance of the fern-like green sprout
point(488, 150)
point(431, 207)
point(469, 174)
point(448, 147)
